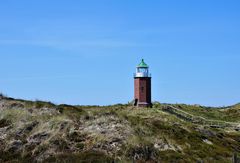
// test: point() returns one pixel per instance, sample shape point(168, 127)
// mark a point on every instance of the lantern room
point(142, 70)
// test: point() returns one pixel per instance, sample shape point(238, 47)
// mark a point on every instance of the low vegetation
point(44, 132)
point(231, 113)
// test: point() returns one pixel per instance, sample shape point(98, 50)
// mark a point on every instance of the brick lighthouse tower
point(142, 86)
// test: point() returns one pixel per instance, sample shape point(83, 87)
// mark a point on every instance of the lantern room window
point(142, 70)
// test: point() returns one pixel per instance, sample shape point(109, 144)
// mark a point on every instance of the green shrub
point(42, 104)
point(4, 123)
point(80, 146)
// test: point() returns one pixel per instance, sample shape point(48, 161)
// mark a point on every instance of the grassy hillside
point(42, 131)
point(231, 113)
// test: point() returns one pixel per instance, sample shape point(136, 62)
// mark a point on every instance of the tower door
point(135, 102)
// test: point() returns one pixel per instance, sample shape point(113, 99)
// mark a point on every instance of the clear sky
point(85, 51)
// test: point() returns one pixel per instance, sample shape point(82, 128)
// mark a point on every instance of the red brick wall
point(142, 89)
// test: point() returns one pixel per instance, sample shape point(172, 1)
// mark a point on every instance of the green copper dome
point(142, 64)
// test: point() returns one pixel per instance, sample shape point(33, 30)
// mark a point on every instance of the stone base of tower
point(143, 104)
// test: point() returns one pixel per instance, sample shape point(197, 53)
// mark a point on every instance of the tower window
point(142, 89)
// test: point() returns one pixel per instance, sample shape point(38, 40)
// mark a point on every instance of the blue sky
point(85, 52)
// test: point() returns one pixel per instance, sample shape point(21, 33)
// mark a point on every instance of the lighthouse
point(142, 86)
